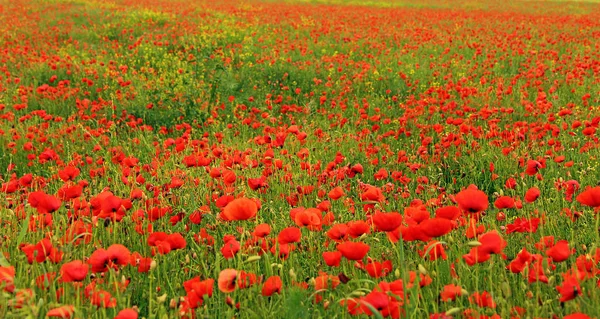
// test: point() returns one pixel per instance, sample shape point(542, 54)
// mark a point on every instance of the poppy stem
point(150, 295)
point(597, 228)
point(402, 272)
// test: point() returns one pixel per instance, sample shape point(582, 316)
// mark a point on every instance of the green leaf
point(3, 261)
point(23, 231)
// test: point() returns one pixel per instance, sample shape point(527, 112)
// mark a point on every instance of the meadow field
point(299, 159)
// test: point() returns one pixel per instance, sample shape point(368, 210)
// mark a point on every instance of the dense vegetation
point(297, 159)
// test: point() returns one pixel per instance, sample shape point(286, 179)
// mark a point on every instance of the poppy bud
point(422, 269)
point(506, 292)
point(452, 311)
point(253, 259)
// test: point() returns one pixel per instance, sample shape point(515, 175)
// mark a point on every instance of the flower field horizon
point(299, 159)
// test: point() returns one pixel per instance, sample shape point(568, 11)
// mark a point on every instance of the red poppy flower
point(356, 169)
point(196, 217)
point(589, 131)
point(377, 269)
point(569, 289)
point(520, 262)
point(532, 194)
point(258, 183)
point(10, 187)
point(63, 312)
point(412, 233)
point(373, 194)
point(483, 299)
point(434, 249)
point(415, 214)
point(450, 292)
point(338, 232)
point(247, 279)
point(144, 264)
point(222, 201)
point(533, 167)
point(491, 243)
point(305, 190)
point(136, 194)
point(69, 192)
point(436, 227)
point(358, 228)
point(196, 289)
point(289, 235)
point(381, 174)
point(23, 297)
point(504, 202)
point(395, 287)
point(262, 230)
point(240, 209)
point(511, 183)
point(75, 270)
point(156, 237)
point(559, 252)
point(227, 280)
point(228, 177)
point(116, 255)
point(523, 225)
point(353, 251)
point(326, 281)
point(387, 221)
point(103, 298)
point(310, 218)
point(332, 258)
point(68, 173)
point(336, 193)
point(38, 252)
point(590, 197)
point(272, 285)
point(448, 212)
point(230, 248)
point(571, 187)
point(472, 200)
point(106, 203)
point(377, 300)
point(127, 314)
point(324, 206)
point(45, 280)
point(196, 161)
point(7, 278)
point(176, 241)
point(353, 306)
point(78, 232)
point(44, 203)
point(545, 242)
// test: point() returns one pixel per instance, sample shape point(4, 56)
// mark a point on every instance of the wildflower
point(227, 280)
point(240, 209)
point(472, 200)
point(353, 251)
